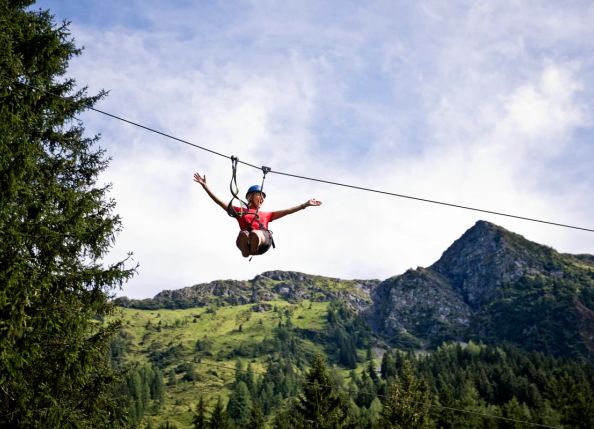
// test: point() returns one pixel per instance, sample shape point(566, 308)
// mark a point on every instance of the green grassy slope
point(227, 334)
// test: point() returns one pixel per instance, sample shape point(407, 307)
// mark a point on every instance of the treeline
point(476, 386)
point(159, 303)
point(285, 397)
point(504, 381)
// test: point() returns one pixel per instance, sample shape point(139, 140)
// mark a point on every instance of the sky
point(478, 103)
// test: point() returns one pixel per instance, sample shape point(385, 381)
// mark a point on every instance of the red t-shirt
point(248, 218)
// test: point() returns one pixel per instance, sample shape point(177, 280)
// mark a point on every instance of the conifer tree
point(407, 403)
point(171, 378)
point(517, 413)
point(199, 421)
point(157, 387)
point(250, 379)
point(256, 420)
point(240, 404)
point(466, 398)
point(375, 409)
point(388, 368)
point(239, 374)
point(371, 366)
point(56, 224)
point(366, 391)
point(320, 406)
point(218, 417)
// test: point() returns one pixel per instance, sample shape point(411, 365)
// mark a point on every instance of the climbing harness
point(244, 206)
point(265, 171)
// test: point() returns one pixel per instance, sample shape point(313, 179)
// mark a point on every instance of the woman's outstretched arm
point(280, 213)
point(202, 180)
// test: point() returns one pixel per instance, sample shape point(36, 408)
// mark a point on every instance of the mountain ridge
point(490, 285)
point(270, 285)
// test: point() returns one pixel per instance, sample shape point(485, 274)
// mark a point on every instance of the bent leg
point(242, 243)
point(267, 244)
point(257, 238)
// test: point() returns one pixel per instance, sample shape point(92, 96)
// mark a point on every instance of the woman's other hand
point(200, 179)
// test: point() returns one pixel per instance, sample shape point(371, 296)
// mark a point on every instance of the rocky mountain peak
point(486, 256)
point(494, 285)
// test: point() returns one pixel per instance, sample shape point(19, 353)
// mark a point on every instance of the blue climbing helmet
point(255, 188)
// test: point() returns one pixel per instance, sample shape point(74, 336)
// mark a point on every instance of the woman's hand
point(313, 202)
point(200, 179)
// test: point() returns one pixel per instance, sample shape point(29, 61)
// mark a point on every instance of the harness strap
point(235, 191)
point(265, 171)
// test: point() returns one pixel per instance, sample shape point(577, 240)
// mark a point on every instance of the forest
point(456, 385)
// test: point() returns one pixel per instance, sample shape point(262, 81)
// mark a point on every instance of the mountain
point(490, 285)
point(530, 306)
point(495, 286)
point(268, 286)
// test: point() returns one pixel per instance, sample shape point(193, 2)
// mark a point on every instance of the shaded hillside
point(492, 285)
point(268, 286)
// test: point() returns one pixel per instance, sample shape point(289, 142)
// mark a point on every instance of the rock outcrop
point(268, 286)
point(491, 284)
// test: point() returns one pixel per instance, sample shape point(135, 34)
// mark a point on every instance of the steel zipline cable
point(328, 182)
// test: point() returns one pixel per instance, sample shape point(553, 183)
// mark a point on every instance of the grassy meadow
point(225, 335)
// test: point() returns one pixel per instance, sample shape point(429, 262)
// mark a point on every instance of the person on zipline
point(254, 237)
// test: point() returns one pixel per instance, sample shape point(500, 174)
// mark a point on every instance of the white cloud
point(546, 111)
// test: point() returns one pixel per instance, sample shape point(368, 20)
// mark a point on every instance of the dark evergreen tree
point(286, 419)
point(465, 397)
point(250, 379)
point(171, 378)
point(388, 367)
point(517, 413)
point(346, 332)
point(347, 351)
point(56, 224)
point(218, 417)
point(279, 382)
point(267, 398)
point(139, 391)
point(239, 373)
point(366, 391)
point(371, 370)
point(190, 372)
point(135, 388)
point(240, 404)
point(157, 388)
point(256, 420)
point(320, 405)
point(407, 403)
point(199, 421)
